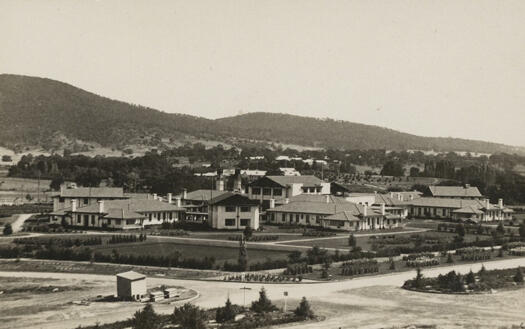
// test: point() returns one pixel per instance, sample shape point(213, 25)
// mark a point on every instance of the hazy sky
point(434, 68)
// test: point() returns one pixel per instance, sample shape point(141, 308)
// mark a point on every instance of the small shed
point(156, 296)
point(171, 292)
point(131, 285)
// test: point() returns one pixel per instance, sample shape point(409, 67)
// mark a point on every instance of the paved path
point(19, 222)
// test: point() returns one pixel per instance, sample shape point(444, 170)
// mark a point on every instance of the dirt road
point(361, 297)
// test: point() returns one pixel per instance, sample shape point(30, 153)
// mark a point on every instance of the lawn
point(227, 235)
point(221, 254)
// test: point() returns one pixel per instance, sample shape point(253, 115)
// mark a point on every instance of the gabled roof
point(204, 195)
point(320, 208)
point(445, 203)
point(131, 205)
point(93, 192)
point(233, 199)
point(120, 213)
point(454, 191)
point(343, 216)
point(131, 275)
point(468, 210)
point(317, 198)
point(283, 181)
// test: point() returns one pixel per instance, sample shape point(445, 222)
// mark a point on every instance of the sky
point(432, 68)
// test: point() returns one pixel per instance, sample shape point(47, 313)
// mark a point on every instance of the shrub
point(189, 316)
point(146, 319)
point(263, 304)
point(226, 313)
point(518, 277)
point(303, 310)
point(8, 229)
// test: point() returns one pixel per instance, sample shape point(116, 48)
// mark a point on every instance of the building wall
point(131, 289)
point(220, 217)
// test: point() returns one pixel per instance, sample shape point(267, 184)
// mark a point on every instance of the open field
point(221, 254)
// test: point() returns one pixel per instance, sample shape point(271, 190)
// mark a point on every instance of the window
point(86, 219)
point(256, 190)
point(245, 209)
point(117, 222)
point(92, 219)
point(297, 217)
point(79, 218)
point(229, 222)
point(283, 217)
point(278, 191)
point(245, 221)
point(230, 208)
point(308, 219)
point(61, 200)
point(267, 191)
point(150, 216)
point(130, 221)
point(318, 219)
point(86, 200)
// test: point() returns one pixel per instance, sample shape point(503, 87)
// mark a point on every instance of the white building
point(131, 286)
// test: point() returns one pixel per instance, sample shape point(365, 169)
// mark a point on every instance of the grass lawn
point(221, 254)
point(226, 235)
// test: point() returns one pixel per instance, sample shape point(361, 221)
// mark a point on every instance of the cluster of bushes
point(174, 232)
point(360, 266)
point(121, 238)
point(255, 238)
point(474, 253)
point(295, 269)
point(513, 245)
point(417, 255)
point(60, 242)
point(255, 277)
point(453, 282)
point(317, 233)
point(422, 262)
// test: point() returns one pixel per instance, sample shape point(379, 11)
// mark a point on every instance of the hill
point(37, 111)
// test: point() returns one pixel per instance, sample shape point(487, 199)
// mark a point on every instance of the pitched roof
point(204, 194)
point(93, 192)
point(131, 205)
point(283, 181)
point(317, 198)
point(321, 208)
point(131, 275)
point(343, 216)
point(468, 210)
point(233, 199)
point(455, 191)
point(120, 213)
point(445, 202)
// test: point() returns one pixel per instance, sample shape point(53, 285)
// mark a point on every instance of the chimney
point(219, 184)
point(170, 197)
point(154, 196)
point(383, 211)
point(365, 210)
point(272, 203)
point(327, 198)
point(74, 205)
point(467, 185)
point(185, 193)
point(178, 202)
point(237, 182)
point(487, 204)
point(500, 203)
point(101, 206)
point(286, 201)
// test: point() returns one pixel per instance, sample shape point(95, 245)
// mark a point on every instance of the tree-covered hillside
point(34, 110)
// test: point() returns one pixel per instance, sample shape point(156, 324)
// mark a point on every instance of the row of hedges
point(252, 277)
point(255, 238)
point(417, 255)
point(60, 242)
point(474, 254)
point(294, 269)
point(357, 267)
point(121, 238)
point(422, 262)
point(318, 234)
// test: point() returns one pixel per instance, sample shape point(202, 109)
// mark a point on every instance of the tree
point(295, 256)
point(418, 281)
point(263, 304)
point(303, 310)
point(393, 168)
point(500, 229)
point(460, 230)
point(470, 278)
point(189, 316)
point(518, 277)
point(450, 260)
point(482, 270)
point(146, 319)
point(392, 264)
point(8, 229)
point(243, 255)
point(225, 313)
point(56, 182)
point(522, 231)
point(352, 242)
point(248, 232)
point(414, 171)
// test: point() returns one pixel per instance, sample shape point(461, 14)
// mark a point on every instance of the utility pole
point(285, 295)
